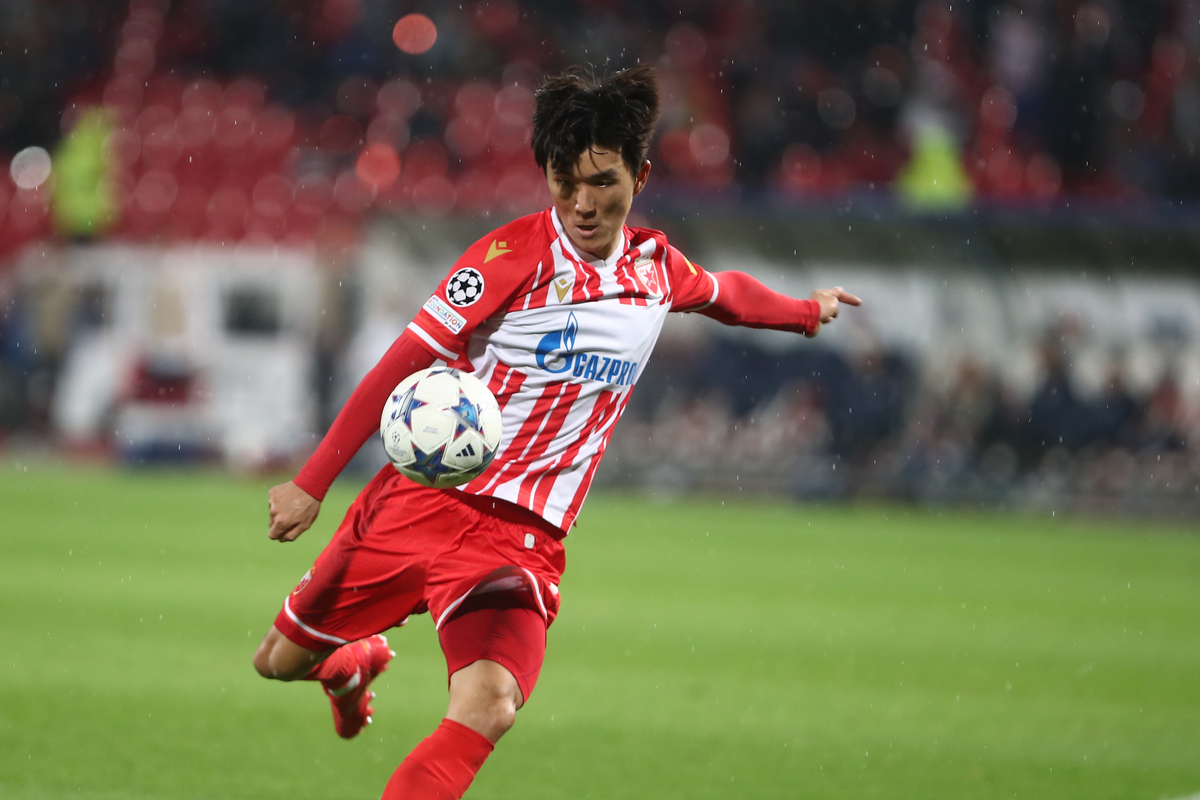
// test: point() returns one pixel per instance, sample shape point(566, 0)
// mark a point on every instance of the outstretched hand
point(829, 300)
point(293, 511)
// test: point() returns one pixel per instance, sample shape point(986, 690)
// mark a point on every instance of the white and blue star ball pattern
point(441, 427)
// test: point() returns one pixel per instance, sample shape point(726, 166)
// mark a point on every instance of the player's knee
point(262, 661)
point(502, 713)
point(485, 697)
point(502, 723)
point(493, 716)
point(276, 661)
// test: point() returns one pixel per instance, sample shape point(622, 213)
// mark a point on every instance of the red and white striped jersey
point(560, 340)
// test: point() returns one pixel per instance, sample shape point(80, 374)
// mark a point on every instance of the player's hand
point(293, 511)
point(829, 300)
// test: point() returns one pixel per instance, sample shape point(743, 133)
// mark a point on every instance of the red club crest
point(649, 275)
point(303, 582)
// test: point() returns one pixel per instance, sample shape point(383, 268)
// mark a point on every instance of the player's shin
point(441, 766)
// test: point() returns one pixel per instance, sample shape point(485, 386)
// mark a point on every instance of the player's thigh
point(369, 578)
point(500, 628)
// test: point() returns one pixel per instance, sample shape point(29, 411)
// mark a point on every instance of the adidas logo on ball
point(441, 427)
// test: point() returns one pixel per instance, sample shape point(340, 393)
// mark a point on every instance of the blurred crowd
point(822, 424)
point(267, 120)
point(293, 121)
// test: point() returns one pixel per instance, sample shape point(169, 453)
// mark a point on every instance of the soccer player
point(557, 313)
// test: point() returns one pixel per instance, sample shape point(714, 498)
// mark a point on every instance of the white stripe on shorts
point(325, 637)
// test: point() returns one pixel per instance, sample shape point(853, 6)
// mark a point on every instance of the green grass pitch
point(705, 649)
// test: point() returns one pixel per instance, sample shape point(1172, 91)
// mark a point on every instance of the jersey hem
point(508, 510)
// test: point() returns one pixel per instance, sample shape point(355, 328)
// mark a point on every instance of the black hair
point(577, 109)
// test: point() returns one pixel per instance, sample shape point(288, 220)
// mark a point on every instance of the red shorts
point(405, 549)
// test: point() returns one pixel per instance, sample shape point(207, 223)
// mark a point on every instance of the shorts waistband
point(507, 510)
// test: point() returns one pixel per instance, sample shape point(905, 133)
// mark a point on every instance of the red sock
point(442, 766)
point(339, 668)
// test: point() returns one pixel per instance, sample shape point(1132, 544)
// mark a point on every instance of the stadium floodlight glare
point(30, 168)
point(414, 33)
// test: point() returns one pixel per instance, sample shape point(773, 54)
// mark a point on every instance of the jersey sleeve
point(735, 298)
point(746, 302)
point(483, 283)
point(359, 418)
point(692, 287)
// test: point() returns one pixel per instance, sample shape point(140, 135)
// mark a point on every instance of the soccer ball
point(441, 427)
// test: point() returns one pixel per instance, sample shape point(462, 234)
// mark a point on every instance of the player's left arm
point(745, 301)
point(735, 298)
point(828, 301)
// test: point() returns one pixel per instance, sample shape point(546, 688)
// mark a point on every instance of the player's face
point(593, 199)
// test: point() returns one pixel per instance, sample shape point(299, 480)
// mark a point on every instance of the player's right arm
point(440, 331)
point(294, 505)
point(292, 511)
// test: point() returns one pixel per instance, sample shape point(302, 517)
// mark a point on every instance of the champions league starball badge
point(464, 287)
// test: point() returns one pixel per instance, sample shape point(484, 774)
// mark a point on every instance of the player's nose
point(584, 204)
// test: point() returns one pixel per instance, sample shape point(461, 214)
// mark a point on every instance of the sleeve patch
point(444, 314)
point(464, 287)
point(689, 263)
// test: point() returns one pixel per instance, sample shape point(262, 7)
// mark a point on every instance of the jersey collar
point(588, 258)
